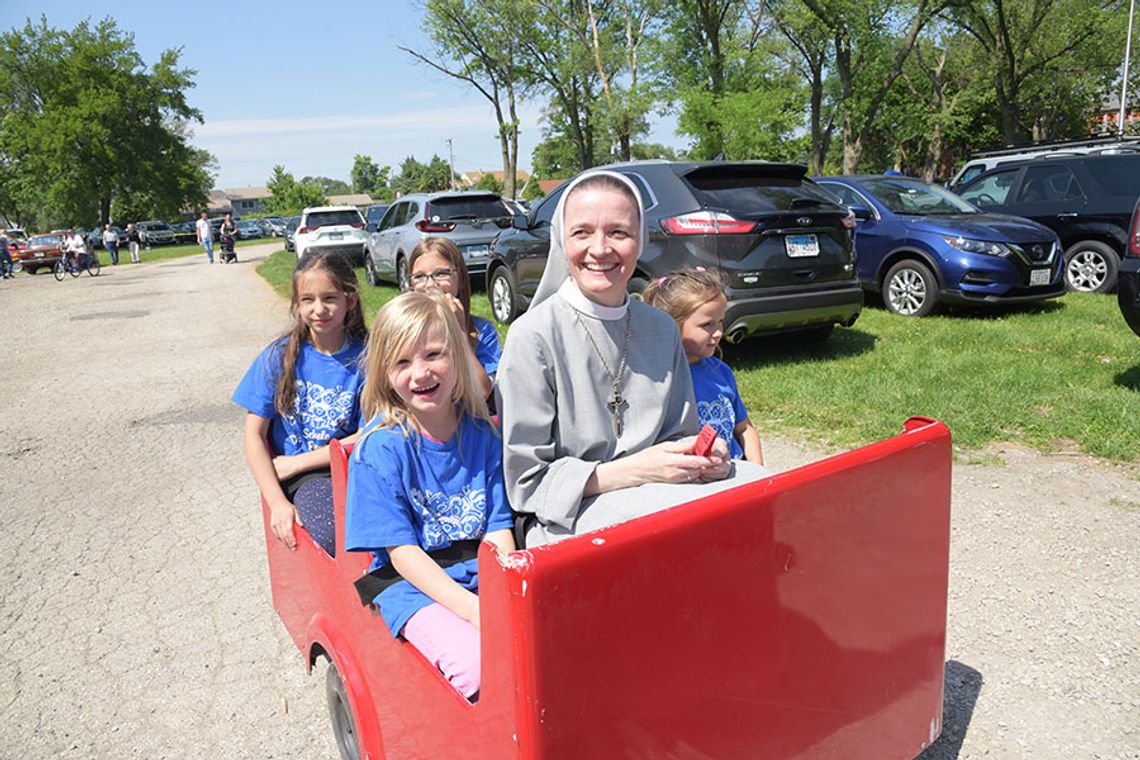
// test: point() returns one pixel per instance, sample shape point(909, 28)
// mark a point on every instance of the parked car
point(469, 219)
point(41, 252)
point(272, 226)
point(336, 228)
point(782, 244)
point(290, 231)
point(984, 160)
point(918, 245)
point(94, 238)
point(17, 238)
point(184, 232)
point(248, 229)
point(372, 216)
point(1086, 200)
point(1128, 286)
point(155, 233)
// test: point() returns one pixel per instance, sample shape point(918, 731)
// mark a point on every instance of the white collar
point(570, 293)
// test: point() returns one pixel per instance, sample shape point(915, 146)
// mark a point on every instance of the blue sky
point(307, 85)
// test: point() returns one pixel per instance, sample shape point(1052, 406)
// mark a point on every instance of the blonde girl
point(303, 391)
point(437, 263)
point(426, 482)
point(696, 301)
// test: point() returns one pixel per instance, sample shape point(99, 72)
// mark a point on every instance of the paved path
point(135, 617)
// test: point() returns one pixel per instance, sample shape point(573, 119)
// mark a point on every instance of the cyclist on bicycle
point(74, 250)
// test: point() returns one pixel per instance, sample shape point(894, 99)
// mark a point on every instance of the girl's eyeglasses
point(438, 276)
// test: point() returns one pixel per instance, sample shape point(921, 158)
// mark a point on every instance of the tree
point(369, 178)
point(415, 177)
point(288, 197)
point(474, 42)
point(84, 123)
point(327, 185)
point(490, 183)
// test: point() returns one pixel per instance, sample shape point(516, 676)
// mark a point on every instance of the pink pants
point(450, 643)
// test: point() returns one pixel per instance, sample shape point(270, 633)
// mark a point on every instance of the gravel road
point(136, 616)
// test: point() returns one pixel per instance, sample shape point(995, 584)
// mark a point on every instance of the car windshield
point(46, 240)
point(903, 195)
point(332, 218)
point(459, 208)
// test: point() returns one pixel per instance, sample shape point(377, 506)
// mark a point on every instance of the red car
point(41, 252)
point(801, 616)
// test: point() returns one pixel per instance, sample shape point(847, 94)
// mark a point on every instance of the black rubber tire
point(1091, 267)
point(93, 266)
point(370, 271)
point(910, 289)
point(636, 286)
point(340, 713)
point(59, 271)
point(402, 273)
point(503, 296)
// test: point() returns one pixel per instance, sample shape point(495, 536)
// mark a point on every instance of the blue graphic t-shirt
point(327, 400)
point(718, 400)
point(487, 348)
point(413, 490)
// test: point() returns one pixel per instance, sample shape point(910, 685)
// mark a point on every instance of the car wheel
point(504, 304)
point(636, 287)
point(1090, 267)
point(910, 289)
point(344, 727)
point(370, 271)
point(402, 274)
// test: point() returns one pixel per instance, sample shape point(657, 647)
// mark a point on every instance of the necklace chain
point(616, 402)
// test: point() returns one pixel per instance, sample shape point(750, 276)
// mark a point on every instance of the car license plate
point(1039, 277)
point(801, 246)
point(39, 254)
point(476, 251)
point(336, 235)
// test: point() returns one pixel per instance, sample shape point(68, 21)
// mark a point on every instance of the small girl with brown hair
point(437, 263)
point(696, 301)
point(426, 482)
point(303, 391)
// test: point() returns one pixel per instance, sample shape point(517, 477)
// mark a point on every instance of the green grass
point(1061, 375)
point(161, 252)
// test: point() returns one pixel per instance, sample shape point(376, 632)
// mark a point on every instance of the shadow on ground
point(963, 684)
point(1129, 378)
point(794, 348)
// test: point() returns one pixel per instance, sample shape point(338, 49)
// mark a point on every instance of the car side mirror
point(862, 213)
point(520, 222)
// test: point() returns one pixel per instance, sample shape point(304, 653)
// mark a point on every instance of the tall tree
point(474, 42)
point(415, 177)
point(84, 121)
point(288, 197)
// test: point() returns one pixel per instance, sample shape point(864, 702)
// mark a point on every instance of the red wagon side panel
point(798, 617)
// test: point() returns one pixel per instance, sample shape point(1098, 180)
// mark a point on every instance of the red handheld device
point(704, 442)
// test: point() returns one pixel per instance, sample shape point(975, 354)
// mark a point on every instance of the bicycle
point(88, 262)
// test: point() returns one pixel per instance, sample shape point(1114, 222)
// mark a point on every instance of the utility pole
point(1124, 84)
point(451, 166)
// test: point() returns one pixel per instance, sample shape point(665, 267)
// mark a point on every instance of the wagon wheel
point(344, 727)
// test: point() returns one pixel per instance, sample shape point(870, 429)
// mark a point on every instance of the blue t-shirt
point(413, 490)
point(327, 400)
point(487, 348)
point(718, 400)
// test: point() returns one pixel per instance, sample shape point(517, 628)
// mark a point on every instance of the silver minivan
point(469, 219)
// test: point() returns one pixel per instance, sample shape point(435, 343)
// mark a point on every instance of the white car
point(331, 228)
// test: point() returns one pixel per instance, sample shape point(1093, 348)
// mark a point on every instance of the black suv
point(782, 244)
point(1087, 200)
point(1128, 291)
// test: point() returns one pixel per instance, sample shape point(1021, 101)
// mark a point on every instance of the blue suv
point(920, 245)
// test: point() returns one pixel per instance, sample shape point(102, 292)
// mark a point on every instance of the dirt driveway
point(136, 617)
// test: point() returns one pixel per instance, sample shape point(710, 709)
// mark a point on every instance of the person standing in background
point(133, 241)
point(205, 237)
point(111, 241)
point(5, 257)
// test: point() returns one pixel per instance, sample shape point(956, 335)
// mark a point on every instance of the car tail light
point(359, 226)
point(1134, 234)
point(303, 230)
point(427, 225)
point(706, 223)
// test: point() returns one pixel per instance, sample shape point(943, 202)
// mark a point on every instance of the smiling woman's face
point(601, 228)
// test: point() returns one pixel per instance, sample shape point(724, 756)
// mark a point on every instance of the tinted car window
point(757, 189)
point(45, 240)
point(991, 190)
point(478, 207)
point(330, 218)
point(909, 196)
point(389, 220)
point(1117, 177)
point(545, 213)
point(848, 196)
point(1048, 183)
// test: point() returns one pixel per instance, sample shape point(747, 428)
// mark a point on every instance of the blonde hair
point(397, 327)
point(680, 293)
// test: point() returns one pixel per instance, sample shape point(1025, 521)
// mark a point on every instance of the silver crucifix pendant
point(616, 405)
